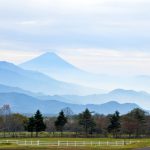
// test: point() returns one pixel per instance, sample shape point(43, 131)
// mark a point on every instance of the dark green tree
point(60, 122)
point(139, 117)
point(114, 126)
point(86, 121)
point(30, 125)
point(39, 123)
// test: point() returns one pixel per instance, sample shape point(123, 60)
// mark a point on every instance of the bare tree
point(50, 125)
point(68, 112)
point(5, 113)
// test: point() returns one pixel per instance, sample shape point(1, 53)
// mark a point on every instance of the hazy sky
point(104, 36)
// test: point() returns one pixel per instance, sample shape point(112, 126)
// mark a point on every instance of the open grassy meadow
point(135, 143)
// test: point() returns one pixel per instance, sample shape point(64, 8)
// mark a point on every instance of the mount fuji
point(54, 66)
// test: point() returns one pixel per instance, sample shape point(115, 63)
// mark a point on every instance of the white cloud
point(107, 61)
point(92, 16)
point(100, 61)
point(104, 36)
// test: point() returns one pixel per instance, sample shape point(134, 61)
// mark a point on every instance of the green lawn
point(140, 144)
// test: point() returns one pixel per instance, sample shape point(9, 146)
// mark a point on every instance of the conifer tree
point(39, 123)
point(114, 126)
point(86, 121)
point(30, 125)
point(60, 122)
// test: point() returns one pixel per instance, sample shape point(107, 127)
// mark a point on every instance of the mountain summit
point(56, 67)
point(53, 65)
point(49, 61)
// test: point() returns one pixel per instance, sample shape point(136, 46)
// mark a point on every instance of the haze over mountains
point(27, 104)
point(48, 81)
point(13, 75)
point(119, 95)
point(56, 67)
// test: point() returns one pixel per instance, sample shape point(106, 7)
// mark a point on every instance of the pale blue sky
point(103, 36)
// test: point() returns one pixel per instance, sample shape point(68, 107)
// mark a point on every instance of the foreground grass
point(76, 139)
point(142, 143)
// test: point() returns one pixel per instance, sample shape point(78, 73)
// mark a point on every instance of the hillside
point(23, 103)
point(54, 66)
point(119, 95)
point(12, 75)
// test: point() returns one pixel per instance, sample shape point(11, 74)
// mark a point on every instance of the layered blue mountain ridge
point(49, 80)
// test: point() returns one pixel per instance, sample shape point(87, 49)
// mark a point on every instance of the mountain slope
point(48, 62)
point(56, 67)
point(12, 75)
point(7, 89)
point(119, 95)
point(27, 104)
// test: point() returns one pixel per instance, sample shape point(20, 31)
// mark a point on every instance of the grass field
point(139, 143)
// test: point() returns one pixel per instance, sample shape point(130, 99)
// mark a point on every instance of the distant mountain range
point(14, 94)
point(56, 67)
point(37, 84)
point(13, 75)
point(23, 103)
point(7, 89)
point(119, 95)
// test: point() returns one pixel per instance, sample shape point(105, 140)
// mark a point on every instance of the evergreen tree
point(38, 122)
point(86, 121)
point(114, 126)
point(60, 122)
point(30, 125)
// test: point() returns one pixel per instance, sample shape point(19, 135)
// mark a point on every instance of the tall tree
point(30, 125)
point(39, 123)
point(114, 126)
point(50, 124)
point(5, 113)
point(60, 122)
point(86, 121)
point(135, 121)
point(17, 123)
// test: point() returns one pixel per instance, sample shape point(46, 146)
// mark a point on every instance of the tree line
point(134, 124)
